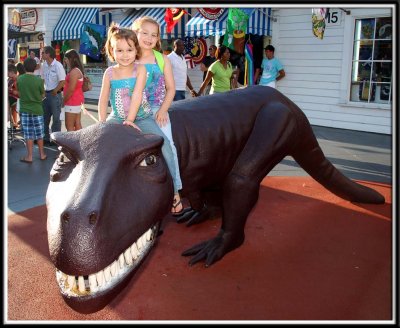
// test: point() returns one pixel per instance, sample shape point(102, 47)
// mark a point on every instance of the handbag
point(87, 84)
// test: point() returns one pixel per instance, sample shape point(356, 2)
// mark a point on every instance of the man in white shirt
point(179, 69)
point(37, 60)
point(53, 74)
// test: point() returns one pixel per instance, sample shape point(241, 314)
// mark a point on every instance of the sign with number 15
point(334, 17)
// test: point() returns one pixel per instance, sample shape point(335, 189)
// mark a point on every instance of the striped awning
point(259, 23)
point(128, 20)
point(158, 14)
point(71, 21)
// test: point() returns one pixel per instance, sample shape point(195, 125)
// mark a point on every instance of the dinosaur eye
point(148, 160)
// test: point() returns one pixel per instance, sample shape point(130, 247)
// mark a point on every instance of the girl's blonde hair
point(138, 23)
point(118, 33)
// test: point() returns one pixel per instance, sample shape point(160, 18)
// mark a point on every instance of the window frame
point(347, 68)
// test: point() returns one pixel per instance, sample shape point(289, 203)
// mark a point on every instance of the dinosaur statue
point(110, 187)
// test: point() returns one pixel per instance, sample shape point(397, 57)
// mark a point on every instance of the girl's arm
point(137, 96)
point(161, 115)
point(205, 82)
point(75, 75)
point(104, 97)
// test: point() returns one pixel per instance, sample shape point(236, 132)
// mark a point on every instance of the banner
point(172, 17)
point(65, 47)
point(92, 37)
point(249, 65)
point(12, 48)
point(196, 48)
point(211, 13)
point(318, 21)
point(236, 27)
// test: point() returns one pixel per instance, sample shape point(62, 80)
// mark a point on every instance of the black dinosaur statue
point(110, 187)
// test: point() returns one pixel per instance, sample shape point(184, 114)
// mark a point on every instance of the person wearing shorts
point(73, 93)
point(31, 93)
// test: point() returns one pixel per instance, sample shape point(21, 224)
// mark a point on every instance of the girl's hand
point(130, 123)
point(161, 118)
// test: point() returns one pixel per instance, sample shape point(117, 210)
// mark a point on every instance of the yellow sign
point(16, 18)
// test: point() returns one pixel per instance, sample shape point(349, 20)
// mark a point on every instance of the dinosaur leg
point(271, 140)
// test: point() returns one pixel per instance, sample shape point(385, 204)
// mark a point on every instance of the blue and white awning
point(158, 14)
point(201, 26)
point(128, 20)
point(259, 23)
point(71, 21)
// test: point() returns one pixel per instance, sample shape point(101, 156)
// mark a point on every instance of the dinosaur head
point(108, 192)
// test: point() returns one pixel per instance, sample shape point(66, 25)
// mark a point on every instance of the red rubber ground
point(308, 255)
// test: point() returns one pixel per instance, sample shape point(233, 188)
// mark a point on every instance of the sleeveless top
point(155, 85)
point(77, 97)
point(121, 94)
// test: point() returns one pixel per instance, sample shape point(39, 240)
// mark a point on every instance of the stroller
point(14, 134)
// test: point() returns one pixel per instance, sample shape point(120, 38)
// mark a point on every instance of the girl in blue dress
point(123, 84)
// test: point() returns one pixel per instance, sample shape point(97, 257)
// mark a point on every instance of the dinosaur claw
point(185, 216)
point(198, 216)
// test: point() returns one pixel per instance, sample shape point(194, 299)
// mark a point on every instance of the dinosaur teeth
point(107, 273)
point(149, 234)
point(100, 278)
point(134, 251)
point(93, 283)
point(114, 268)
point(121, 261)
point(71, 282)
point(81, 284)
point(128, 256)
point(84, 285)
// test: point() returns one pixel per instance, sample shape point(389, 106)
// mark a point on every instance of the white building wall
point(48, 21)
point(318, 71)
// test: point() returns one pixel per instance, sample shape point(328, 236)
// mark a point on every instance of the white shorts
point(72, 109)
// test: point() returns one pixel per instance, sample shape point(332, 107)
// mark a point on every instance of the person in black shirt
point(207, 61)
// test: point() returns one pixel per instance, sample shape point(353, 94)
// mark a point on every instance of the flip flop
point(23, 160)
point(174, 206)
point(44, 158)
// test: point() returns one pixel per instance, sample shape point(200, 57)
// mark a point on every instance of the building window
point(371, 78)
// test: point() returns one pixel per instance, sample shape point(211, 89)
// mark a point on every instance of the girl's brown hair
point(118, 33)
point(137, 24)
point(74, 60)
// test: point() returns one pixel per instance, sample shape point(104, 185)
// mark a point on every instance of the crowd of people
point(141, 85)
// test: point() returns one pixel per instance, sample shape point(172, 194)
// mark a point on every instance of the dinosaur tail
point(308, 154)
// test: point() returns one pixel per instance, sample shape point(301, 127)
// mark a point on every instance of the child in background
point(123, 84)
point(31, 93)
point(160, 88)
point(13, 95)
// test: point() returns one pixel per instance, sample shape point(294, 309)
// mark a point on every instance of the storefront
point(258, 33)
point(67, 35)
point(24, 33)
point(344, 80)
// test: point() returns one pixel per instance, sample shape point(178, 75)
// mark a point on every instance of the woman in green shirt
point(220, 73)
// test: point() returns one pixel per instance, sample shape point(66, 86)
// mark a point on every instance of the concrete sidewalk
point(358, 155)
